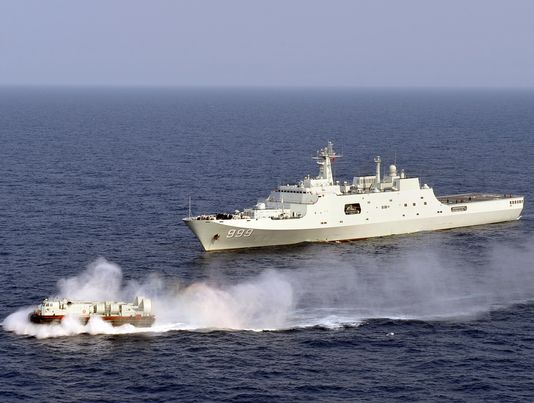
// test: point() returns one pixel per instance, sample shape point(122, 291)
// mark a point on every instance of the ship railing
point(220, 216)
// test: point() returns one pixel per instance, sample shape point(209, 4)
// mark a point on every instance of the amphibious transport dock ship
point(117, 313)
point(321, 210)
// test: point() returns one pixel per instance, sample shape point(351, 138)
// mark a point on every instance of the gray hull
point(213, 235)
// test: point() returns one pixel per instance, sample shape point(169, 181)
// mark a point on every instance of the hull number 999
point(238, 233)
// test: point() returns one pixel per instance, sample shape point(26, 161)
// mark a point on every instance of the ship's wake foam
point(258, 304)
point(329, 292)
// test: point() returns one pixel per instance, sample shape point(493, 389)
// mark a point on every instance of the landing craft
point(117, 313)
point(321, 210)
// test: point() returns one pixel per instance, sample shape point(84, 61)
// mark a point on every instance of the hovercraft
point(138, 313)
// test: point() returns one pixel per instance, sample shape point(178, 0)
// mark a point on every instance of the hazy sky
point(268, 43)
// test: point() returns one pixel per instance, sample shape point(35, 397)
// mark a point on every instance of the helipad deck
point(472, 197)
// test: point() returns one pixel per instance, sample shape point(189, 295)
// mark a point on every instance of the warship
point(319, 209)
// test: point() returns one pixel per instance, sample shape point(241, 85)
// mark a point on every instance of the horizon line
point(261, 87)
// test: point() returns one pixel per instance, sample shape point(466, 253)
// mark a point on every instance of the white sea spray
point(329, 292)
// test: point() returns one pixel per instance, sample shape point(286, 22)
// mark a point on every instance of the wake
point(331, 293)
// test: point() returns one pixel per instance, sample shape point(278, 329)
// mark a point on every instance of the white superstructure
point(321, 210)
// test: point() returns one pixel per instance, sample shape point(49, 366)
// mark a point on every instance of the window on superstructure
point(353, 208)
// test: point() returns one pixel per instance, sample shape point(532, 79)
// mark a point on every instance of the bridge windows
point(353, 208)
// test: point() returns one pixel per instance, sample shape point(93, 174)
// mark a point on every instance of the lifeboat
point(138, 313)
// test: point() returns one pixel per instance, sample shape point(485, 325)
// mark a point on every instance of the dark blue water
point(94, 174)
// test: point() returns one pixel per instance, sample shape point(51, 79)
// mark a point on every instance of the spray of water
point(261, 303)
point(329, 291)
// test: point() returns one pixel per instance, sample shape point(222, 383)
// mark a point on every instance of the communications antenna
point(189, 206)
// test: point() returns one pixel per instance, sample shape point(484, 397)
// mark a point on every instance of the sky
point(294, 43)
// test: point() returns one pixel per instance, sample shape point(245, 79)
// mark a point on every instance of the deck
point(472, 198)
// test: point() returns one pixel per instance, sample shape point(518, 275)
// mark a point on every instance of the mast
point(324, 158)
point(189, 206)
point(377, 162)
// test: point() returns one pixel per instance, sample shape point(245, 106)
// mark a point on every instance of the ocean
point(95, 181)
